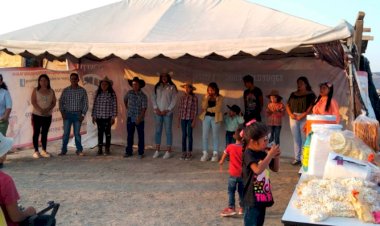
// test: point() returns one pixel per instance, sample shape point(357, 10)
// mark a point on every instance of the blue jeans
point(298, 136)
point(72, 118)
point(166, 121)
point(230, 138)
point(234, 182)
point(187, 134)
point(208, 122)
point(254, 216)
point(275, 134)
point(131, 132)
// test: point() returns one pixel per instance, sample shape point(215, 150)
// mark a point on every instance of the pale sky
point(18, 14)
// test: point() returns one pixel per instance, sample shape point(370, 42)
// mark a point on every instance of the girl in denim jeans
point(164, 100)
point(188, 109)
point(211, 117)
point(235, 152)
point(257, 195)
point(275, 111)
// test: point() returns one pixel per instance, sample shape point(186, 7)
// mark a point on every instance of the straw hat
point(136, 79)
point(274, 92)
point(106, 79)
point(189, 85)
point(234, 108)
point(5, 144)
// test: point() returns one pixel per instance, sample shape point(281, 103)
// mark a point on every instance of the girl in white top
point(43, 101)
point(164, 100)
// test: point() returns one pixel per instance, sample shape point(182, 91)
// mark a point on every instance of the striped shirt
point(105, 106)
point(74, 100)
point(137, 101)
point(188, 107)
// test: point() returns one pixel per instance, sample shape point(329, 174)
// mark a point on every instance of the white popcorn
point(321, 198)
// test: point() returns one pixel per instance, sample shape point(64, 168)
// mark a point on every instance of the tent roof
point(172, 28)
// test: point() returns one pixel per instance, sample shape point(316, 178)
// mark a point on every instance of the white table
point(294, 217)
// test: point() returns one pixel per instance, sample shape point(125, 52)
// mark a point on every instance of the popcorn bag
point(346, 143)
point(367, 129)
point(339, 166)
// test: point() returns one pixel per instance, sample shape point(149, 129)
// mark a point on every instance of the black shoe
point(62, 154)
point(1, 165)
point(107, 152)
point(296, 162)
point(141, 156)
point(127, 155)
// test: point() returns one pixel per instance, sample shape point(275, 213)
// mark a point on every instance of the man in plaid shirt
point(73, 106)
point(135, 102)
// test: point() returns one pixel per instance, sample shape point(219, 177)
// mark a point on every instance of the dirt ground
point(111, 190)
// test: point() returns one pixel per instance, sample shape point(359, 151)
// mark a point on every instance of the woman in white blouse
point(43, 101)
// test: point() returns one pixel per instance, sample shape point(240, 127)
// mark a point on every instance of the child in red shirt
point(235, 152)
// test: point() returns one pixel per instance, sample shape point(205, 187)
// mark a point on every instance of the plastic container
point(318, 119)
point(306, 152)
point(320, 147)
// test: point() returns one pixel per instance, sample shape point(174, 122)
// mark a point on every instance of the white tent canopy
point(173, 28)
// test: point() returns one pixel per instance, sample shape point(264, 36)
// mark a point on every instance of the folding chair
point(50, 219)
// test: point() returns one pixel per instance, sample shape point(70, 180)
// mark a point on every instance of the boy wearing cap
point(232, 119)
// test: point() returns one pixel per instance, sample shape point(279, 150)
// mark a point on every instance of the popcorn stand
point(340, 180)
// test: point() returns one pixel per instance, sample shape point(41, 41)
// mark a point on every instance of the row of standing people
point(164, 101)
point(73, 106)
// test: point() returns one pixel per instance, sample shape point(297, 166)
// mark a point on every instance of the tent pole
point(351, 84)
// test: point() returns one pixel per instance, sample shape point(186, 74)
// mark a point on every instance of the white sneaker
point(156, 154)
point(215, 157)
point(167, 155)
point(45, 154)
point(204, 157)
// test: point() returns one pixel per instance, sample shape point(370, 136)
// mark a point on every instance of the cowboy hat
point(275, 93)
point(189, 85)
point(234, 108)
point(5, 144)
point(168, 73)
point(106, 79)
point(136, 79)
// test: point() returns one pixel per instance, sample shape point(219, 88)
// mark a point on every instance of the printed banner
point(21, 82)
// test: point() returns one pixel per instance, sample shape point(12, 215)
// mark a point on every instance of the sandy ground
point(111, 190)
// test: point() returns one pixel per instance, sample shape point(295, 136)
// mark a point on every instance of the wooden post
point(358, 35)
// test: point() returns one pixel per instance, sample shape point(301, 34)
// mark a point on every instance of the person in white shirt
point(164, 100)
